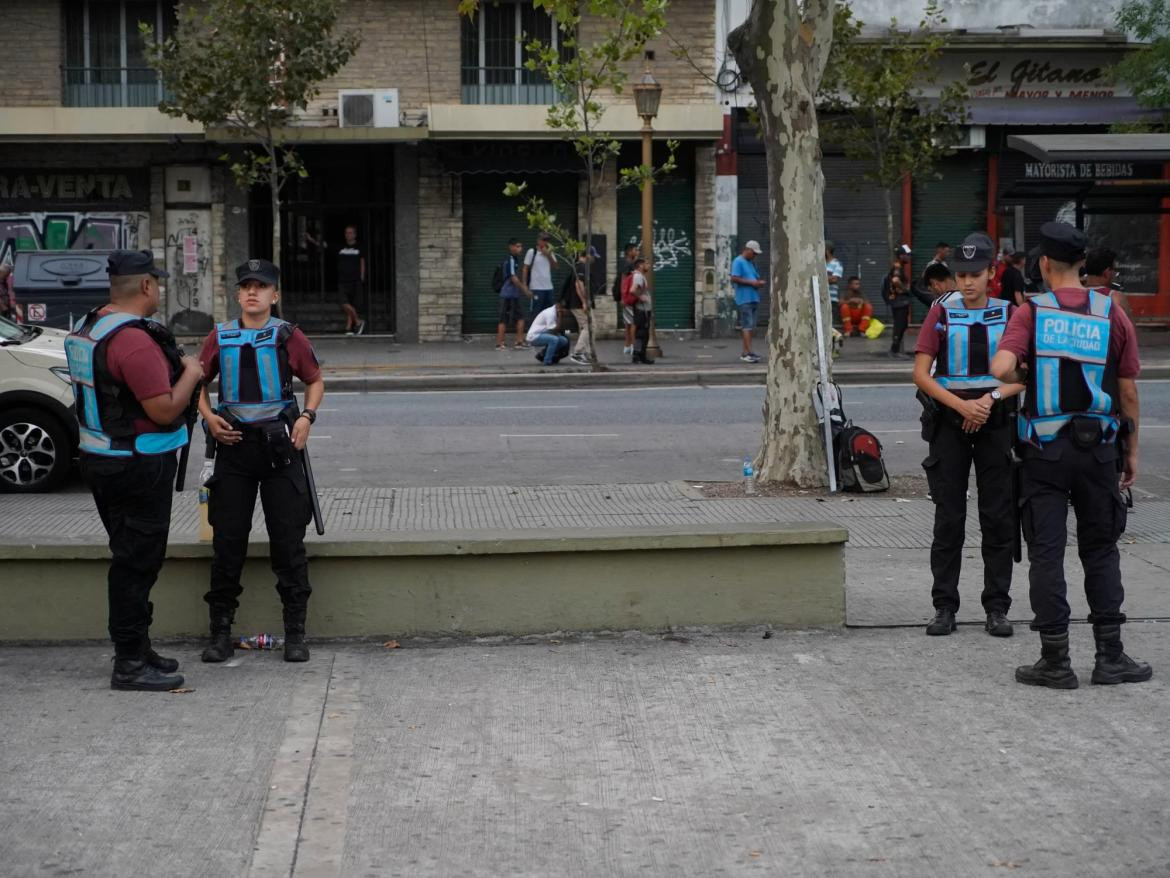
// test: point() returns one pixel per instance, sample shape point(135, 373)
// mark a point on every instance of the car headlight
point(61, 372)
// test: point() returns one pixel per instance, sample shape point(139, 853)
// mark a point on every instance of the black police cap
point(1062, 242)
point(123, 263)
point(976, 253)
point(258, 269)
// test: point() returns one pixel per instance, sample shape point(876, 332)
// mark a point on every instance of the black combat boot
point(221, 647)
point(156, 661)
point(1113, 665)
point(295, 649)
point(1054, 669)
point(943, 623)
point(135, 674)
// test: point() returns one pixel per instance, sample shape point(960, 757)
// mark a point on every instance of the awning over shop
point(1093, 147)
point(1054, 111)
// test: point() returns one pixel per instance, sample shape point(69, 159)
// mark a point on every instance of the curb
point(627, 378)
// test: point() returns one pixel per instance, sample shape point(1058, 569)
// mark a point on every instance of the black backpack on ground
point(859, 461)
point(857, 453)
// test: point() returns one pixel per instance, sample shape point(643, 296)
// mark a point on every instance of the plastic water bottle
point(205, 531)
point(749, 484)
point(260, 641)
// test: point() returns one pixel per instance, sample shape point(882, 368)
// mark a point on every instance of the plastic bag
point(875, 328)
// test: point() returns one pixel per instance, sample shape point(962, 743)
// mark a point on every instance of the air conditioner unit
point(367, 108)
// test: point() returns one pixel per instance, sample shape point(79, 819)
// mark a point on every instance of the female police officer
point(967, 420)
point(258, 434)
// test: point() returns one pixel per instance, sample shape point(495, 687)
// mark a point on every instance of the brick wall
point(30, 64)
point(440, 258)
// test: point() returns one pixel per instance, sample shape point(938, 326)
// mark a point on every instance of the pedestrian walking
point(1013, 286)
point(968, 419)
point(539, 263)
point(351, 280)
point(259, 434)
point(133, 388)
point(548, 332)
point(510, 290)
point(1078, 429)
point(578, 298)
point(746, 282)
point(1101, 275)
point(627, 311)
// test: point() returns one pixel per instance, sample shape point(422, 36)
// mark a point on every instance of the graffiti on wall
point(64, 230)
point(188, 259)
point(670, 245)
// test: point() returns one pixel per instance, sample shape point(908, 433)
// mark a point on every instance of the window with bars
point(105, 58)
point(493, 54)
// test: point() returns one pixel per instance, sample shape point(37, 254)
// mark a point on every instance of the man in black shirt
point(351, 277)
point(1012, 284)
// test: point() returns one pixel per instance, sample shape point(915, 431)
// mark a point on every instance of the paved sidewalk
point(860, 753)
point(380, 363)
point(888, 581)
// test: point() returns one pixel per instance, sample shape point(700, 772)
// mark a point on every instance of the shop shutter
point(948, 209)
point(490, 218)
point(674, 237)
point(855, 220)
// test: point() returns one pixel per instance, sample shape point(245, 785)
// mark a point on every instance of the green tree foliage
point(599, 40)
point(246, 65)
point(874, 102)
point(1147, 71)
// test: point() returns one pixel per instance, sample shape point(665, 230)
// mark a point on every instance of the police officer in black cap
point(1078, 355)
point(967, 419)
point(132, 387)
point(259, 432)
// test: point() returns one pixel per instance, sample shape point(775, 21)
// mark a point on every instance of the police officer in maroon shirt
point(259, 432)
point(1077, 354)
point(132, 386)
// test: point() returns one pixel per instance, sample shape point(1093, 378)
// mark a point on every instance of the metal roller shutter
point(674, 236)
point(752, 220)
point(948, 209)
point(489, 220)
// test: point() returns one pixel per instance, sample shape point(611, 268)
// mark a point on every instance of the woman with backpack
point(968, 418)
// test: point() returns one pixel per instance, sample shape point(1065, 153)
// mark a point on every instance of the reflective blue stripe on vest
point(233, 338)
point(80, 348)
point(960, 319)
point(1064, 335)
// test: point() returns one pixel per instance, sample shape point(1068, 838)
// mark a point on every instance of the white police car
point(38, 430)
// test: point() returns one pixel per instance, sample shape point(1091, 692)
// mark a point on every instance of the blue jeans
point(541, 299)
point(552, 344)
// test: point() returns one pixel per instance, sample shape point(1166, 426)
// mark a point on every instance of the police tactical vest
point(971, 336)
point(106, 409)
point(255, 382)
point(1070, 373)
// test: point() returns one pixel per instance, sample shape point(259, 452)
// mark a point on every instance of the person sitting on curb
point(856, 312)
point(548, 331)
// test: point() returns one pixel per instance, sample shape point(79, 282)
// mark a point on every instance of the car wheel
point(34, 452)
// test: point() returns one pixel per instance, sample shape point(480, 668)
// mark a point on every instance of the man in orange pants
point(855, 310)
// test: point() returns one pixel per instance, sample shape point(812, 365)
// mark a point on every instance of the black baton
point(192, 415)
point(312, 485)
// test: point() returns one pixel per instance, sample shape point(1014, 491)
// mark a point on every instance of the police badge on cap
point(975, 253)
point(258, 269)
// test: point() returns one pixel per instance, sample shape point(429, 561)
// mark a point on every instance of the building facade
point(412, 143)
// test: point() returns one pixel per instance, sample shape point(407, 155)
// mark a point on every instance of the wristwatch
point(311, 414)
point(996, 395)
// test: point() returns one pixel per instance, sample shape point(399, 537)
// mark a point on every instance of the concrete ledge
point(473, 583)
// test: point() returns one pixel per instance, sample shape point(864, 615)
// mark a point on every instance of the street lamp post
point(647, 96)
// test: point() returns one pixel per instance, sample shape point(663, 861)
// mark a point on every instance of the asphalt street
point(454, 438)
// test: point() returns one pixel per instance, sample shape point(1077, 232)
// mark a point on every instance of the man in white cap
point(745, 280)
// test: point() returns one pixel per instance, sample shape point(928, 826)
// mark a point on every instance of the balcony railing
point(110, 87)
point(504, 85)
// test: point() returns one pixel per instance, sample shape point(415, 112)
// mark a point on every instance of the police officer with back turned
point(132, 386)
point(1078, 355)
point(258, 435)
point(967, 419)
